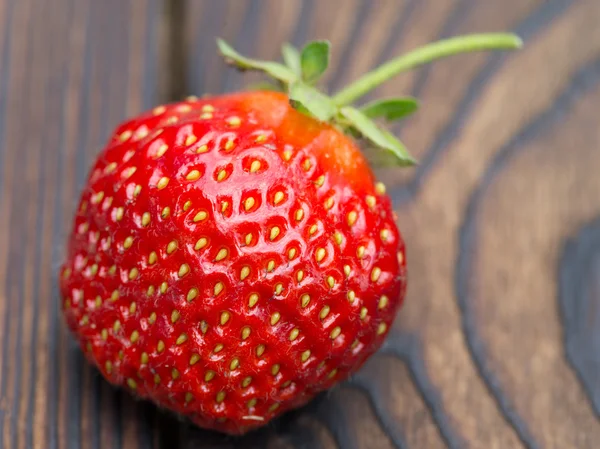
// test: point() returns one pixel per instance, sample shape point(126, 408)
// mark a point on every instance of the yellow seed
point(299, 214)
point(108, 366)
point(271, 265)
point(104, 334)
point(275, 231)
point(246, 382)
point(245, 272)
point(210, 375)
point(110, 167)
point(224, 206)
point(119, 213)
point(370, 200)
point(144, 358)
point(320, 180)
point(352, 217)
point(307, 164)
point(163, 287)
point(132, 307)
point(145, 219)
point(375, 273)
point(133, 274)
point(320, 255)
point(305, 355)
point(187, 205)
point(294, 334)
point(332, 373)
point(218, 348)
point(275, 369)
point(363, 313)
point(400, 257)
point(355, 343)
point(85, 320)
point(335, 332)
point(255, 166)
point(165, 212)
point(380, 188)
point(183, 270)
point(172, 246)
point(385, 235)
point(235, 363)
point(305, 300)
point(175, 316)
point(351, 296)
point(200, 216)
point(221, 175)
point(248, 239)
point(383, 302)
point(347, 270)
point(330, 281)
point(160, 346)
point(159, 110)
point(249, 203)
point(162, 150)
point(278, 289)
point(189, 397)
point(132, 384)
point(201, 243)
point(190, 140)
point(278, 197)
point(360, 252)
point(229, 145)
point(156, 379)
point(181, 339)
point(202, 149)
point(193, 175)
point(220, 397)
point(260, 138)
point(313, 229)
point(94, 269)
point(129, 172)
point(260, 350)
point(218, 288)
point(225, 318)
point(222, 254)
point(135, 335)
point(195, 358)
point(208, 108)
point(97, 198)
point(253, 300)
point(273, 407)
point(234, 121)
point(152, 318)
point(324, 312)
point(251, 403)
point(152, 257)
point(174, 373)
point(291, 253)
point(192, 293)
point(203, 326)
point(275, 318)
point(246, 332)
point(162, 182)
point(381, 328)
point(206, 116)
point(337, 236)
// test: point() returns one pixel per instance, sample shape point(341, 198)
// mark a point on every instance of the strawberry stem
point(425, 55)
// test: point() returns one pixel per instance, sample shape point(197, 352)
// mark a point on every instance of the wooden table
point(498, 344)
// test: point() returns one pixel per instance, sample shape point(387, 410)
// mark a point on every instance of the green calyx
point(301, 70)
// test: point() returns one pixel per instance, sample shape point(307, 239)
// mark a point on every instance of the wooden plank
point(502, 208)
point(70, 70)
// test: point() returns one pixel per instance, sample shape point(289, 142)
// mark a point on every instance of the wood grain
point(497, 345)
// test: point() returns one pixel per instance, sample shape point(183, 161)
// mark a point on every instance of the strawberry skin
point(231, 258)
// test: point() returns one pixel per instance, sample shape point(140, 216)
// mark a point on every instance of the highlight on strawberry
point(233, 256)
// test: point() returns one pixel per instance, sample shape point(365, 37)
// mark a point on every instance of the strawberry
point(233, 256)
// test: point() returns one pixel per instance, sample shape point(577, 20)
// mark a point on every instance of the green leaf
point(274, 69)
point(314, 60)
point(264, 85)
point(377, 136)
point(391, 108)
point(291, 57)
point(313, 101)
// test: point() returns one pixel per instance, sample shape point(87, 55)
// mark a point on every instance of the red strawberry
point(232, 256)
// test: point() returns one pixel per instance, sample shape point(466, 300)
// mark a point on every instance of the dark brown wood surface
point(498, 344)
